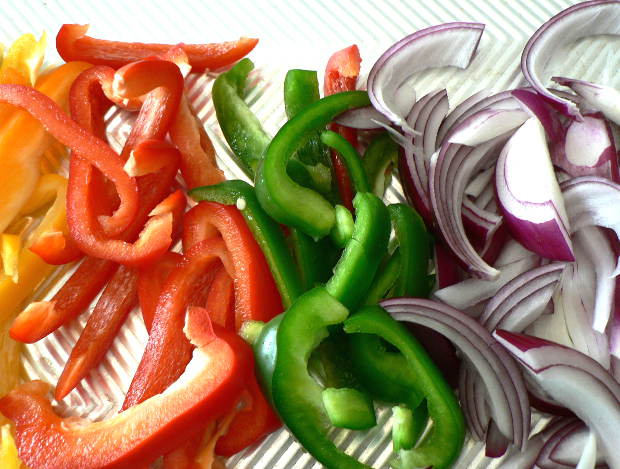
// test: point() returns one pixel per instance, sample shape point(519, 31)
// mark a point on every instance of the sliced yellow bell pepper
point(32, 272)
point(10, 246)
point(8, 451)
point(23, 141)
point(25, 56)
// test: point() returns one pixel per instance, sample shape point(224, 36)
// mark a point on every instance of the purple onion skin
point(539, 237)
point(548, 407)
point(441, 351)
point(538, 106)
point(411, 194)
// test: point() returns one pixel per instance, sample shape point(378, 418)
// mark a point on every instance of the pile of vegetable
point(491, 293)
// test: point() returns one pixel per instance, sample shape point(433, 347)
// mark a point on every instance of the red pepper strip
point(221, 300)
point(250, 425)
point(56, 249)
point(43, 317)
point(341, 73)
point(168, 350)
point(197, 153)
point(149, 157)
point(151, 282)
point(72, 43)
point(208, 390)
point(117, 300)
point(115, 303)
point(256, 294)
point(72, 135)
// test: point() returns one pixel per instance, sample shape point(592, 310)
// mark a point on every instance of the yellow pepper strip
point(26, 56)
point(10, 247)
point(8, 451)
point(46, 190)
point(53, 157)
point(32, 272)
point(21, 66)
point(23, 141)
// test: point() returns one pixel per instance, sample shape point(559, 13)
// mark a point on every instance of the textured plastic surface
point(293, 34)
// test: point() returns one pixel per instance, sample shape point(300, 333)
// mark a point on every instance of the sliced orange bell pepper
point(23, 140)
point(73, 44)
point(209, 389)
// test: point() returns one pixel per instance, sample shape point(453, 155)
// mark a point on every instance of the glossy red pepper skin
point(256, 294)
point(168, 351)
point(250, 425)
point(42, 318)
point(197, 153)
point(139, 435)
point(72, 43)
point(221, 300)
point(341, 73)
point(151, 281)
point(117, 300)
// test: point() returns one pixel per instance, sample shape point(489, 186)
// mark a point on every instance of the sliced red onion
point(451, 170)
point(597, 249)
point(362, 118)
point(486, 199)
point(575, 381)
point(486, 125)
point(449, 44)
point(480, 183)
point(522, 300)
point(530, 196)
point(496, 443)
point(516, 459)
point(600, 97)
point(507, 395)
point(593, 201)
point(513, 261)
point(494, 245)
point(479, 223)
point(472, 105)
point(614, 331)
point(576, 444)
point(416, 191)
point(588, 149)
point(582, 20)
point(575, 301)
point(446, 267)
point(536, 106)
point(472, 395)
point(565, 427)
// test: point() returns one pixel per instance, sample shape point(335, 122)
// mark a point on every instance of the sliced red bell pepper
point(138, 436)
point(151, 282)
point(341, 73)
point(90, 148)
point(221, 300)
point(197, 153)
point(251, 424)
point(117, 300)
point(43, 317)
point(256, 294)
point(73, 44)
point(168, 351)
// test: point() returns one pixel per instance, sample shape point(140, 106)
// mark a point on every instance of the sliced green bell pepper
point(242, 130)
point(351, 158)
point(281, 197)
point(297, 396)
point(380, 157)
point(266, 231)
point(356, 268)
point(442, 445)
point(414, 249)
point(384, 280)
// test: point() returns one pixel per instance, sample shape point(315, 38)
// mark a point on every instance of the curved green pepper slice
point(442, 444)
point(282, 198)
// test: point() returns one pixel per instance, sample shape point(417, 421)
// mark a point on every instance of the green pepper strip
point(442, 445)
point(380, 156)
point(267, 233)
point(315, 260)
point(415, 251)
point(301, 88)
point(265, 350)
point(356, 268)
point(351, 157)
point(282, 198)
point(297, 396)
point(349, 408)
point(242, 130)
point(385, 279)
